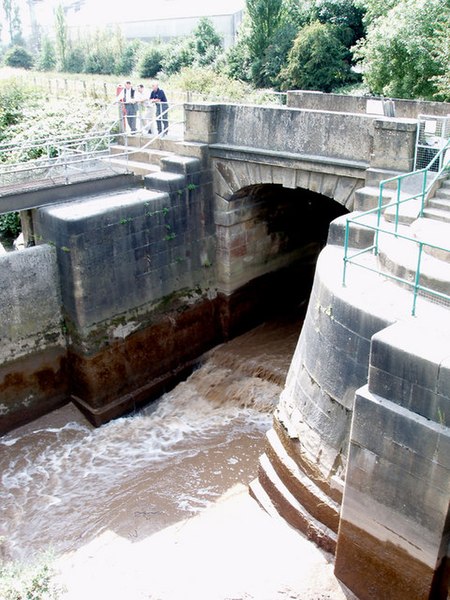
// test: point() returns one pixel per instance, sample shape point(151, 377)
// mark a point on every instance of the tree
point(317, 60)
point(62, 38)
point(47, 58)
point(275, 56)
point(344, 14)
point(400, 55)
point(179, 54)
point(442, 81)
point(207, 43)
point(265, 19)
point(12, 17)
point(373, 9)
point(151, 61)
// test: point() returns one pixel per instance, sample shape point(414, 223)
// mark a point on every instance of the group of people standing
point(139, 108)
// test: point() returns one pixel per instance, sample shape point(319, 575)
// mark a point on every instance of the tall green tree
point(12, 16)
point(62, 38)
point(207, 42)
point(265, 18)
point(400, 56)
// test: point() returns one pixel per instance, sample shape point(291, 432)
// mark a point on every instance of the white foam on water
point(59, 484)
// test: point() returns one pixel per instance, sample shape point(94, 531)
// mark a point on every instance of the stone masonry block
point(165, 181)
point(412, 351)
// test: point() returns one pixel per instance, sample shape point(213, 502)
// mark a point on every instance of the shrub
point(317, 60)
point(151, 61)
point(128, 57)
point(179, 54)
point(10, 225)
point(12, 99)
point(29, 582)
point(18, 57)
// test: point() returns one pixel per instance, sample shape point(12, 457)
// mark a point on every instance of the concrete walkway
point(231, 551)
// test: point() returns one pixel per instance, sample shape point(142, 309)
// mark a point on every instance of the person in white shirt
point(145, 110)
point(127, 96)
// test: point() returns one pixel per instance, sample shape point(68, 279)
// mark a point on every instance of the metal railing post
point(346, 238)
point(417, 279)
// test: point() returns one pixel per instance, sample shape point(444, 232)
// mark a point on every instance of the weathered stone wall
point(385, 445)
point(395, 530)
point(32, 349)
point(409, 109)
point(137, 270)
point(281, 129)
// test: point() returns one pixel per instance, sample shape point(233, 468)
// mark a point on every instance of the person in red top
point(159, 98)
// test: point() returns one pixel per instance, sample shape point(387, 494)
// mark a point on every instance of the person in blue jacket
point(159, 98)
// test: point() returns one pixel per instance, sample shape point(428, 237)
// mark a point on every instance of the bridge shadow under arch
point(269, 239)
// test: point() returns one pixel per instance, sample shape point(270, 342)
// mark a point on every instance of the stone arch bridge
point(129, 279)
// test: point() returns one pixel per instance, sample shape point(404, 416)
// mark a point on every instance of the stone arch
point(232, 175)
point(268, 240)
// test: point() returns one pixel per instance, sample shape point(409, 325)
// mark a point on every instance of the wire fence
point(97, 89)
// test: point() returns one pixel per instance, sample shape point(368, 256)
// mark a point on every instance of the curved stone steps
point(313, 499)
point(289, 508)
point(400, 258)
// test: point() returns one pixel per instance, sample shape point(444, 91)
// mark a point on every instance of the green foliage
point(205, 81)
point(12, 99)
point(401, 53)
point(18, 57)
point(373, 9)
point(46, 60)
point(207, 43)
point(275, 56)
point(442, 81)
point(62, 38)
point(237, 61)
point(127, 57)
point(265, 19)
point(12, 16)
point(74, 59)
point(151, 61)
point(179, 54)
point(28, 582)
point(10, 225)
point(344, 14)
point(317, 60)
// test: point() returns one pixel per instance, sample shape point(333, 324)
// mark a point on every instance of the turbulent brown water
point(63, 482)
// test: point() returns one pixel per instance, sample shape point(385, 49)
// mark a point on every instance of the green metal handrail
point(423, 186)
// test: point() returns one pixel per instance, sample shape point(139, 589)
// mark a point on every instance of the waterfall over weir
point(63, 482)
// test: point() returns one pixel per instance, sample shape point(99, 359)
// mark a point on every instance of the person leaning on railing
point(127, 96)
point(158, 97)
point(145, 110)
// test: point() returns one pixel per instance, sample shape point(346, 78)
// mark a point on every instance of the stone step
point(312, 498)
point(165, 181)
point(136, 167)
point(443, 192)
point(399, 257)
point(439, 202)
point(290, 509)
point(359, 236)
point(257, 492)
point(367, 197)
point(145, 155)
point(375, 176)
point(437, 214)
point(168, 143)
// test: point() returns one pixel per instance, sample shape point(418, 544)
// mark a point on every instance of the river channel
point(64, 482)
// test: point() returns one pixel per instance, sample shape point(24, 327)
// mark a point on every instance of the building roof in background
point(103, 12)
